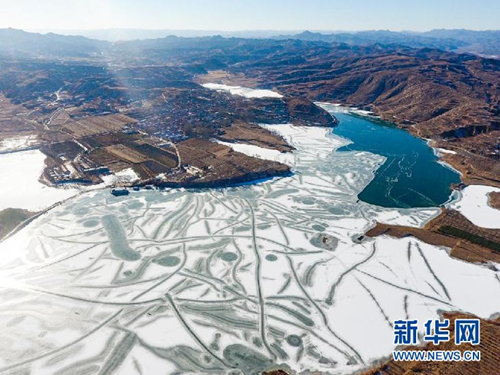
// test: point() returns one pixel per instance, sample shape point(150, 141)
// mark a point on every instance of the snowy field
point(243, 91)
point(125, 176)
point(474, 206)
point(212, 281)
point(16, 143)
point(336, 107)
point(19, 185)
point(260, 152)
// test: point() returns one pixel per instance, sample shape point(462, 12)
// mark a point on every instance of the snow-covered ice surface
point(445, 151)
point(260, 152)
point(243, 91)
point(474, 206)
point(19, 185)
point(343, 109)
point(208, 281)
point(15, 143)
point(127, 175)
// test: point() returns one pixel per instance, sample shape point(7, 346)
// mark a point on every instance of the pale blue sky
point(230, 15)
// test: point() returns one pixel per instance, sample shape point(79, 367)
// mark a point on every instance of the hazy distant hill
point(115, 35)
point(384, 37)
point(484, 42)
point(479, 42)
point(21, 43)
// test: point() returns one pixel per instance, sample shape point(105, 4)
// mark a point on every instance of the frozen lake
point(411, 175)
point(228, 280)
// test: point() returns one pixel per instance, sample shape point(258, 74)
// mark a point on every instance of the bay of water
point(411, 175)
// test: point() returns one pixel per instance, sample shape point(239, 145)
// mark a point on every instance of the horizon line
point(48, 29)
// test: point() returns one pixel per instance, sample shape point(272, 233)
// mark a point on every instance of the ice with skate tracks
point(227, 280)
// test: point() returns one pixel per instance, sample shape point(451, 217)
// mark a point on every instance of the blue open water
point(411, 175)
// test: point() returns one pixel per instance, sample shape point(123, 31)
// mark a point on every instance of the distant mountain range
point(417, 80)
point(460, 40)
point(478, 42)
point(116, 35)
point(20, 43)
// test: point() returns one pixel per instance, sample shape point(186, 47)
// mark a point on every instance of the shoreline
point(235, 215)
point(255, 178)
point(409, 126)
point(379, 120)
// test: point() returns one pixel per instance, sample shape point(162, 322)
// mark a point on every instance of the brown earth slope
point(451, 229)
point(209, 164)
point(254, 135)
point(494, 200)
point(450, 98)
